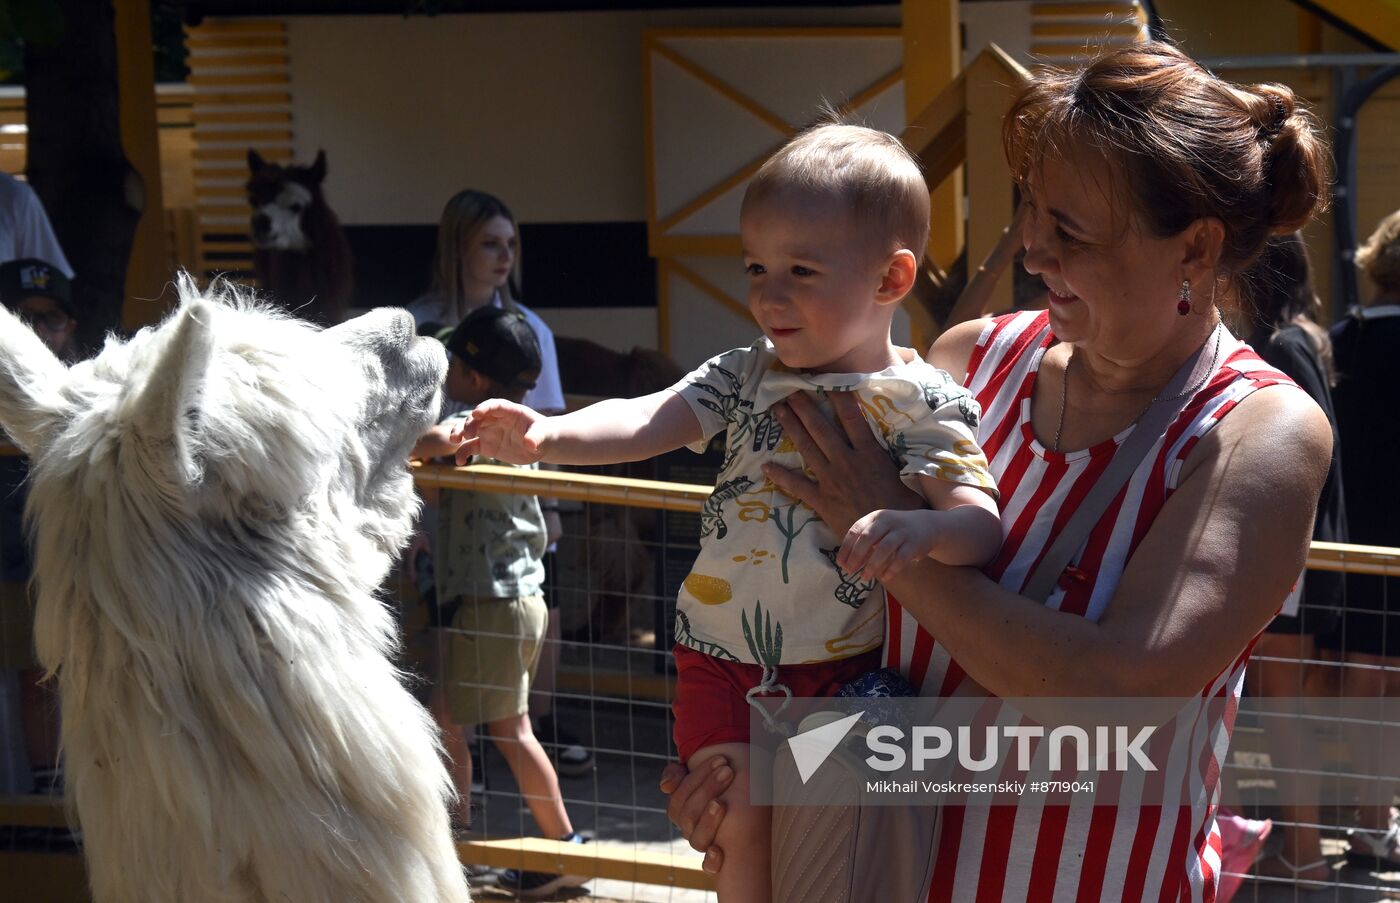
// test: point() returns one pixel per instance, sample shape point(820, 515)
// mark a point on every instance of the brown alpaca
point(300, 257)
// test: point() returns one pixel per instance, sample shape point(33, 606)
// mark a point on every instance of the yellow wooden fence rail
point(607, 490)
point(600, 860)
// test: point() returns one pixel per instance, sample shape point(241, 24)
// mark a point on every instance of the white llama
point(215, 504)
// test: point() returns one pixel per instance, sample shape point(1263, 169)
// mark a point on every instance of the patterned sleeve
point(714, 391)
point(942, 443)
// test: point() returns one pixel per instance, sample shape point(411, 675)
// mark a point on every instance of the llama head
point(280, 196)
point(231, 429)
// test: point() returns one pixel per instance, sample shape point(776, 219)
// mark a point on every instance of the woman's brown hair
point(1188, 144)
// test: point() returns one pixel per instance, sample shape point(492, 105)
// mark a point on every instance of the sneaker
point(479, 875)
point(571, 758)
point(534, 885)
point(1374, 850)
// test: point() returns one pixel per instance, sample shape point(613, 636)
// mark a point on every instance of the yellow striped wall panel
point(241, 80)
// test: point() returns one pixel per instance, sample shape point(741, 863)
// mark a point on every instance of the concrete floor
point(618, 802)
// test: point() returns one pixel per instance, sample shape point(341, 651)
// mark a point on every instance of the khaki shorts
point(489, 659)
point(17, 626)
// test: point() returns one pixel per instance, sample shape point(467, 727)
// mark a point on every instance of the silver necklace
point(1189, 390)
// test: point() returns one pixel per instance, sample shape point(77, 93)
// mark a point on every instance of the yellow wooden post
point(1309, 31)
point(1378, 19)
point(932, 58)
point(992, 80)
point(148, 272)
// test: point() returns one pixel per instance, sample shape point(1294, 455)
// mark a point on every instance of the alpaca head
point(230, 433)
point(280, 196)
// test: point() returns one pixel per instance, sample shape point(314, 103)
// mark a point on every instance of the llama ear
point(255, 161)
point(165, 409)
point(317, 173)
point(32, 404)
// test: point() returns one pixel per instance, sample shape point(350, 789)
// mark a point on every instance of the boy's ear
point(901, 268)
point(476, 380)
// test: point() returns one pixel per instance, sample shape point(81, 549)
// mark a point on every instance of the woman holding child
point(1152, 187)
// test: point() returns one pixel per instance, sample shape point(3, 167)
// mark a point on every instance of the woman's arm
point(953, 349)
point(1212, 569)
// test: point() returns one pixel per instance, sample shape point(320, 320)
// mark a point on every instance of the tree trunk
point(76, 163)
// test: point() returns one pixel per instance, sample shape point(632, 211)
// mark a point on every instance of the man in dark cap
point(491, 615)
point(41, 295)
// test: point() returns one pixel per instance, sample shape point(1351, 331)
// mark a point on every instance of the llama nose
point(261, 223)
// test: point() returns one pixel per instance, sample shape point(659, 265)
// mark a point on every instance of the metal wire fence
point(1340, 656)
point(621, 561)
point(605, 681)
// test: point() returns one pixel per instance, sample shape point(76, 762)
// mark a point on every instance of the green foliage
point(168, 34)
point(36, 21)
point(41, 22)
point(11, 60)
point(430, 7)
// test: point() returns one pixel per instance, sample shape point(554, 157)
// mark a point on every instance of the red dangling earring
point(1183, 306)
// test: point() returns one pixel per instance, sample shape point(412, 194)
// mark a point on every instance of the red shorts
point(710, 706)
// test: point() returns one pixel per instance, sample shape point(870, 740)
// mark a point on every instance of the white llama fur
point(215, 504)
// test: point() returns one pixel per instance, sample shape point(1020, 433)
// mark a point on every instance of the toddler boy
point(834, 226)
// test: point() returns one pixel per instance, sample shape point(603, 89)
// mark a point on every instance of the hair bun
point(1274, 104)
point(1296, 161)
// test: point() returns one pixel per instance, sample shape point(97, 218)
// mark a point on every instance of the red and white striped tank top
point(1074, 853)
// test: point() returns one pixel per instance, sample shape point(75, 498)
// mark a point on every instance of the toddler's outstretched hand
point(503, 430)
point(884, 542)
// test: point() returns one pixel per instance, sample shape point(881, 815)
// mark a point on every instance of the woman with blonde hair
point(478, 252)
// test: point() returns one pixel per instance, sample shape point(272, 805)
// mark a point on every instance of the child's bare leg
point(533, 773)
point(744, 835)
point(457, 746)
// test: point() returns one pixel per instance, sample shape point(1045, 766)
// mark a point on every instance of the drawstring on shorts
point(769, 685)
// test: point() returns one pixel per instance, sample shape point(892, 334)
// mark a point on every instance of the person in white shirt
point(478, 246)
point(24, 226)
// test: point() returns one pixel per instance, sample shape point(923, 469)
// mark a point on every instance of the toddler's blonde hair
point(869, 170)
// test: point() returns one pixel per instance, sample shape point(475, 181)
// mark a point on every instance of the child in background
point(42, 296)
point(833, 226)
point(489, 581)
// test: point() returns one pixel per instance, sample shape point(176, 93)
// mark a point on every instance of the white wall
point(543, 109)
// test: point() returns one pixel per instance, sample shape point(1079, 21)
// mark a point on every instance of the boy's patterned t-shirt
point(765, 588)
point(489, 545)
